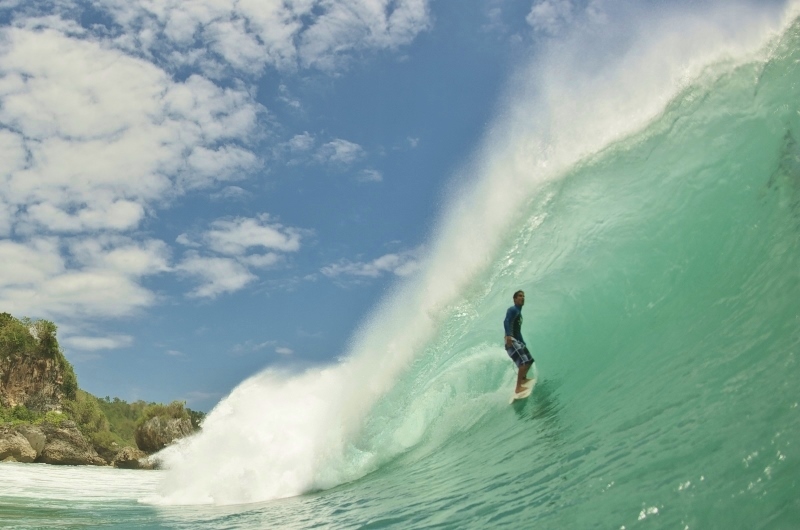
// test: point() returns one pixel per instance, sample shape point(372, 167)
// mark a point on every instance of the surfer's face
point(520, 299)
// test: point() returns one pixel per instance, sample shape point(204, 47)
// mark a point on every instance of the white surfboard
point(527, 388)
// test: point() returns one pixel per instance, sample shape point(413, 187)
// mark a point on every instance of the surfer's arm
point(510, 314)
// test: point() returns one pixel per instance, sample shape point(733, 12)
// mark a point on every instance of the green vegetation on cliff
point(36, 339)
point(107, 423)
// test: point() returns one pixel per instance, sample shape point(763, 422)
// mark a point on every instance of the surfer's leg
point(521, 379)
point(526, 362)
point(522, 376)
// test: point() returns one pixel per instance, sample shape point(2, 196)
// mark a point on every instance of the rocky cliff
point(62, 444)
point(157, 433)
point(33, 370)
point(50, 444)
point(35, 383)
point(45, 417)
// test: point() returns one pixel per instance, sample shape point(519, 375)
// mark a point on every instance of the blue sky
point(195, 190)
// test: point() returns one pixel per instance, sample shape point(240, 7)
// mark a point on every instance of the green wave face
point(663, 309)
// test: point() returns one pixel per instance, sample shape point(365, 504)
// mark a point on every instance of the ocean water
point(657, 237)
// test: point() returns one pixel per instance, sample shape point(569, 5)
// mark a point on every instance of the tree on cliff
point(159, 425)
point(24, 341)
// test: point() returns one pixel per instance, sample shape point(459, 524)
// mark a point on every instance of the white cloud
point(261, 261)
point(7, 215)
point(86, 343)
point(92, 137)
point(186, 241)
point(118, 215)
point(134, 258)
point(370, 175)
point(282, 350)
point(237, 245)
point(96, 134)
point(339, 152)
point(92, 140)
point(78, 294)
point(51, 21)
point(78, 278)
point(349, 25)
point(217, 275)
point(236, 236)
point(298, 148)
point(301, 142)
point(286, 97)
point(31, 263)
point(550, 16)
point(206, 167)
point(400, 264)
point(249, 35)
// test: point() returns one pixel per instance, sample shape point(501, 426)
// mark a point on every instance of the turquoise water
point(662, 274)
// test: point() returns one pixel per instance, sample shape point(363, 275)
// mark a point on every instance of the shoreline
point(63, 444)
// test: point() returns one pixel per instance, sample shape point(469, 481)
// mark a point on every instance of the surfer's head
point(519, 298)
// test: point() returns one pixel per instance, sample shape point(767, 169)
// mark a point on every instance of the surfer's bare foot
point(518, 389)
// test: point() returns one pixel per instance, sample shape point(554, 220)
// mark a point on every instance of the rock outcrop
point(34, 435)
point(156, 433)
point(33, 382)
point(65, 445)
point(132, 458)
point(14, 447)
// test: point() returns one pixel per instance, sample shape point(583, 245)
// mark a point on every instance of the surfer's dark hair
point(518, 292)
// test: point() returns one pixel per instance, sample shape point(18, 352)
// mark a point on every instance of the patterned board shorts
point(519, 353)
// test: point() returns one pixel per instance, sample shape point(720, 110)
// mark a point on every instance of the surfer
point(515, 344)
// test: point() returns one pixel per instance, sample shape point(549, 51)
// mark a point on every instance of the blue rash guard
point(513, 323)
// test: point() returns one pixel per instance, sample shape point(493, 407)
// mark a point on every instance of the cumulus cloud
point(97, 133)
point(91, 140)
point(78, 277)
point(399, 264)
point(216, 275)
point(261, 261)
point(339, 153)
point(249, 35)
point(235, 236)
point(92, 137)
point(121, 254)
point(301, 142)
point(236, 245)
